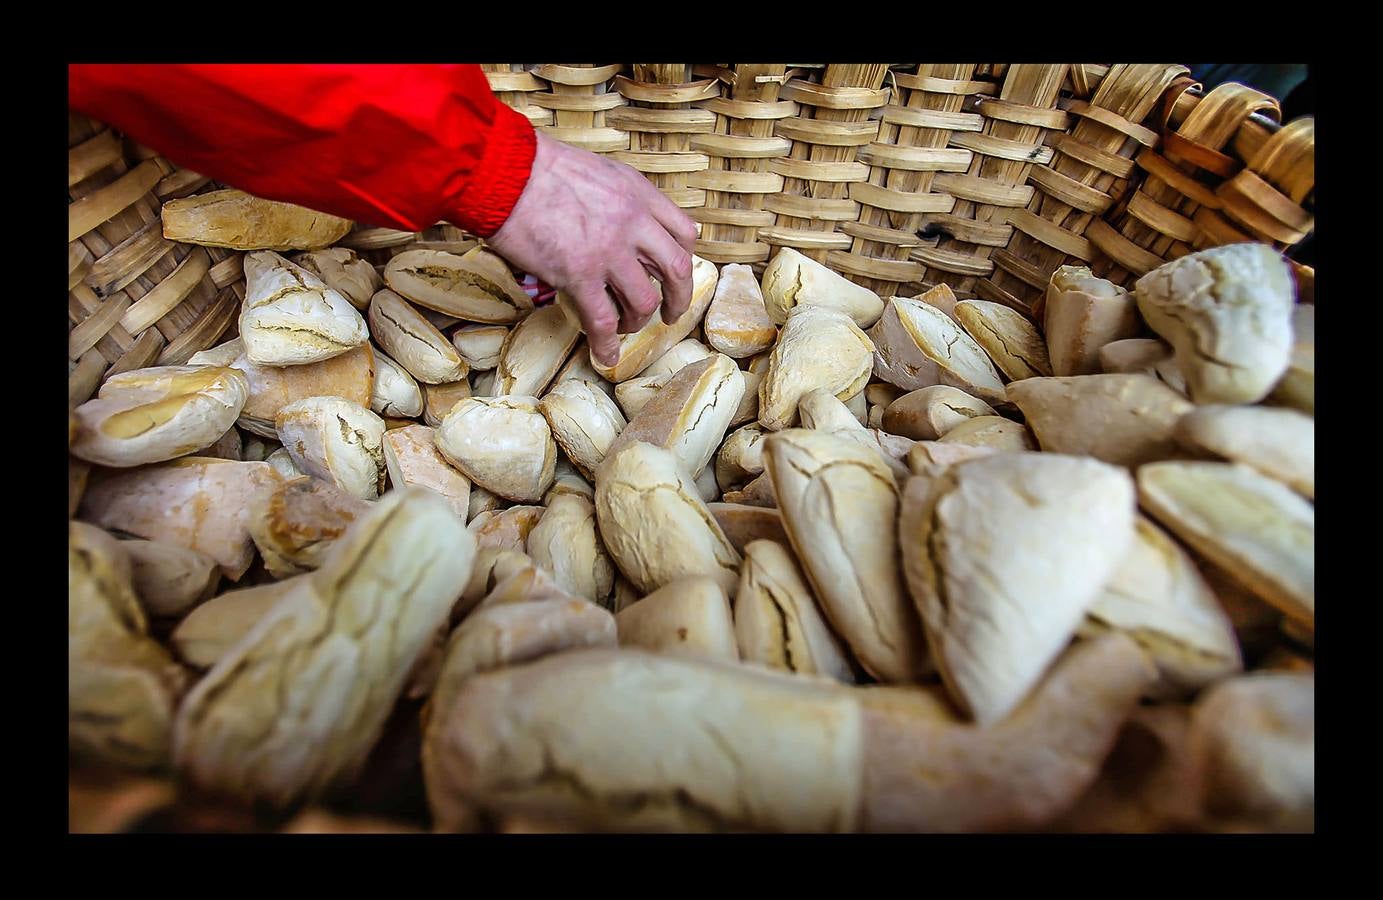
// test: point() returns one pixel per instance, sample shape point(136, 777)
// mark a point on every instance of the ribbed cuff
point(497, 181)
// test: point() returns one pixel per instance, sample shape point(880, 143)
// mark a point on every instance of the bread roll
point(476, 286)
point(365, 616)
point(584, 420)
point(688, 617)
point(1297, 387)
point(1143, 356)
point(238, 221)
point(195, 502)
point(480, 345)
point(294, 524)
point(1228, 313)
point(777, 622)
point(744, 524)
point(839, 503)
point(350, 376)
point(219, 624)
point(1159, 598)
point(533, 352)
point(1083, 313)
point(502, 444)
point(737, 322)
point(1280, 443)
point(440, 399)
point(917, 346)
point(654, 524)
point(343, 271)
point(152, 415)
point(290, 317)
point(396, 395)
point(1011, 341)
point(1255, 737)
point(566, 543)
point(170, 580)
point(1004, 435)
point(411, 457)
point(413, 341)
point(818, 347)
point(792, 279)
point(1003, 557)
point(928, 413)
point(122, 686)
point(690, 414)
point(1257, 529)
point(1125, 420)
point(336, 440)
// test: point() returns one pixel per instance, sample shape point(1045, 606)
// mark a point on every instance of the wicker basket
point(986, 177)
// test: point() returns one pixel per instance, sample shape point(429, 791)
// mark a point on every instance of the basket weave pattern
point(982, 176)
point(985, 177)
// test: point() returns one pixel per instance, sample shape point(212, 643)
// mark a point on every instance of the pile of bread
point(806, 559)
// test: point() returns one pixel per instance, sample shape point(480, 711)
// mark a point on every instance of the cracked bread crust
point(156, 414)
point(1003, 556)
point(290, 317)
point(654, 523)
point(414, 342)
point(918, 345)
point(476, 286)
point(336, 440)
point(793, 279)
point(839, 504)
point(1227, 312)
point(533, 352)
point(817, 348)
point(1011, 341)
point(295, 706)
point(566, 543)
point(586, 736)
point(690, 413)
point(777, 622)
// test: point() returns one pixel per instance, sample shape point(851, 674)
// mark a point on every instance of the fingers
point(599, 319)
point(671, 264)
point(670, 216)
point(637, 295)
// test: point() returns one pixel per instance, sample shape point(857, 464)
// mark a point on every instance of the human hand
point(584, 224)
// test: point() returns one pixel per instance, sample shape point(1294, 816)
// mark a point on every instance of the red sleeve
point(402, 146)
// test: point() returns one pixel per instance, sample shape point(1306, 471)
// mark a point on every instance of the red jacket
point(402, 146)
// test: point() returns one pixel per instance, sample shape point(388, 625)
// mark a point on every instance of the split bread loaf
point(366, 615)
point(839, 504)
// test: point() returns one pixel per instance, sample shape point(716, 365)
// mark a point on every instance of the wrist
point(496, 183)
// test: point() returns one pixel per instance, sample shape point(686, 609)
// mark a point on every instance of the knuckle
point(686, 229)
point(603, 319)
point(646, 301)
point(681, 266)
